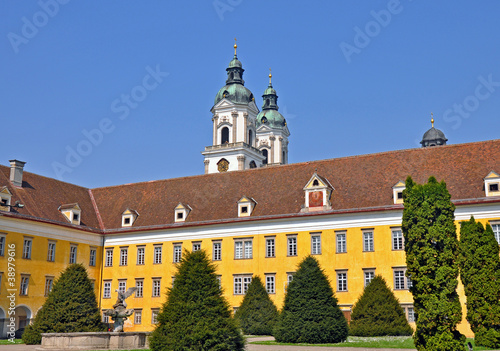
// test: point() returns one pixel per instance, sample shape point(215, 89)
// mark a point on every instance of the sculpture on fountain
point(120, 313)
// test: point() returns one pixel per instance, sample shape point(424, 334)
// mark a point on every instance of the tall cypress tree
point(257, 313)
point(431, 247)
point(378, 312)
point(480, 274)
point(196, 316)
point(310, 313)
point(70, 307)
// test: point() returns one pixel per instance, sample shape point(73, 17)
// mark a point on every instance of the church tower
point(272, 130)
point(234, 128)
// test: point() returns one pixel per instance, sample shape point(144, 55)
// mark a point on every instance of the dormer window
point(397, 192)
point(5, 197)
point(72, 212)
point(492, 184)
point(246, 206)
point(128, 217)
point(181, 212)
point(318, 192)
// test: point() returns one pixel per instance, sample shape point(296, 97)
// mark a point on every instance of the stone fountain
point(119, 313)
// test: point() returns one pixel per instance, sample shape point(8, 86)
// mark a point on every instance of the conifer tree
point(257, 313)
point(70, 307)
point(196, 316)
point(378, 312)
point(310, 313)
point(431, 247)
point(480, 274)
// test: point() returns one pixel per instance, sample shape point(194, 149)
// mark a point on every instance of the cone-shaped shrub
point(196, 316)
point(257, 313)
point(70, 307)
point(431, 247)
point(377, 312)
point(480, 273)
point(310, 313)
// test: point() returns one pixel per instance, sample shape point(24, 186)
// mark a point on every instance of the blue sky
point(352, 78)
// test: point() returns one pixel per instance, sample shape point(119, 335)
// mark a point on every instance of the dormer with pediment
point(397, 192)
point(492, 184)
point(72, 213)
point(246, 206)
point(181, 212)
point(5, 199)
point(128, 217)
point(318, 192)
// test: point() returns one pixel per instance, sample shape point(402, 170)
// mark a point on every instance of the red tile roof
point(360, 182)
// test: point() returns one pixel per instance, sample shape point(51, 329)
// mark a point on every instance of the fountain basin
point(94, 341)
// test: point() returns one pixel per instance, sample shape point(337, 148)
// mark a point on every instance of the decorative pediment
point(492, 184)
point(318, 191)
point(397, 192)
point(5, 199)
point(181, 212)
point(72, 212)
point(246, 206)
point(264, 128)
point(128, 217)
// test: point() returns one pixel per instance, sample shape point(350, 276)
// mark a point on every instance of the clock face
point(223, 165)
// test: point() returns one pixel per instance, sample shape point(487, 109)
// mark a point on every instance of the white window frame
point(177, 253)
point(368, 275)
point(51, 251)
point(24, 285)
point(92, 256)
point(270, 283)
point(315, 243)
point(271, 246)
point(289, 278)
point(495, 226)
point(241, 283)
point(398, 240)
point(217, 250)
point(156, 291)
point(141, 255)
point(138, 316)
point(342, 281)
point(368, 241)
point(49, 282)
point(196, 246)
point(158, 253)
point(106, 289)
point(341, 242)
point(154, 315)
point(400, 280)
point(123, 256)
point(109, 258)
point(139, 284)
point(243, 248)
point(27, 245)
point(3, 241)
point(73, 253)
point(122, 285)
point(291, 246)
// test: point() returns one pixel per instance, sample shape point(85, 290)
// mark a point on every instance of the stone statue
point(119, 313)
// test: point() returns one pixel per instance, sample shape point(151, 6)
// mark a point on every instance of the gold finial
point(432, 119)
point(235, 47)
point(270, 76)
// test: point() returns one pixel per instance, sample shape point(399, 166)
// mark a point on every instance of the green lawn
point(388, 342)
point(7, 342)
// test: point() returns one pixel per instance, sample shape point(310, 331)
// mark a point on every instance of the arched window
point(224, 135)
point(231, 76)
point(252, 164)
point(250, 138)
point(284, 157)
point(264, 153)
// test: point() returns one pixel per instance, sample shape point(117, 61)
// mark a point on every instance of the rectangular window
point(106, 290)
point(72, 253)
point(243, 249)
point(401, 282)
point(123, 256)
point(342, 281)
point(154, 315)
point(93, 254)
point(241, 283)
point(122, 286)
point(496, 231)
point(316, 244)
point(217, 251)
point(177, 253)
point(109, 258)
point(292, 246)
point(156, 287)
point(196, 247)
point(289, 278)
point(105, 318)
point(23, 289)
point(369, 275)
point(51, 251)
point(140, 255)
point(2, 245)
point(341, 242)
point(139, 284)
point(157, 256)
point(270, 286)
point(138, 316)
point(270, 247)
point(49, 281)
point(411, 315)
point(397, 240)
point(27, 248)
point(368, 241)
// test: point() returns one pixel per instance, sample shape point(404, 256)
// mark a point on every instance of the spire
point(270, 76)
point(432, 120)
point(235, 69)
point(433, 137)
point(270, 97)
point(235, 47)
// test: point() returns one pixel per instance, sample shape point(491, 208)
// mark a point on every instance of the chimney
point(16, 172)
